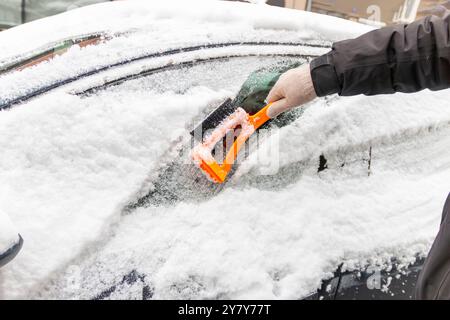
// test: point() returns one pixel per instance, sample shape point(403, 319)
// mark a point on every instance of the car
point(340, 197)
point(10, 240)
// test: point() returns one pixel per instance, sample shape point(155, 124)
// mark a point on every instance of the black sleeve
point(403, 58)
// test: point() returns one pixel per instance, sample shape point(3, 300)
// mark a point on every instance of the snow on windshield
point(278, 236)
point(70, 163)
point(77, 159)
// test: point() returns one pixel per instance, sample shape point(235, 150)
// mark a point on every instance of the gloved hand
point(293, 89)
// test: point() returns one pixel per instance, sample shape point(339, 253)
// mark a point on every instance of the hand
point(293, 89)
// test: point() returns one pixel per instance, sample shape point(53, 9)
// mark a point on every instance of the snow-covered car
point(97, 105)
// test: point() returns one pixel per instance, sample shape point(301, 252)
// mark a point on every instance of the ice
point(358, 121)
point(251, 242)
point(74, 164)
point(202, 152)
point(70, 163)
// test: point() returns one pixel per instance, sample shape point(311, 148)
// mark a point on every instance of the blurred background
point(374, 12)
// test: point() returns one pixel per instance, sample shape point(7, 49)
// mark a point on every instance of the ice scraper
point(241, 117)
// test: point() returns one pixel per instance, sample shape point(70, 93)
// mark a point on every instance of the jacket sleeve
point(403, 58)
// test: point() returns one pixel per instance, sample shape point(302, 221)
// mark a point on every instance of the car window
point(223, 74)
point(183, 84)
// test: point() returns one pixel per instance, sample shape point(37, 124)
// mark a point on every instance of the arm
point(403, 58)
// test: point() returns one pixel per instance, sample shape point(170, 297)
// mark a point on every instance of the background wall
point(378, 12)
point(14, 12)
point(384, 11)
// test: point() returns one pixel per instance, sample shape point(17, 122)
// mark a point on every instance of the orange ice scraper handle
point(202, 153)
point(255, 121)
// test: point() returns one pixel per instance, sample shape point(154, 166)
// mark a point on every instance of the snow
point(202, 152)
point(256, 241)
point(385, 118)
point(77, 167)
point(69, 164)
point(8, 233)
point(182, 16)
point(17, 84)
